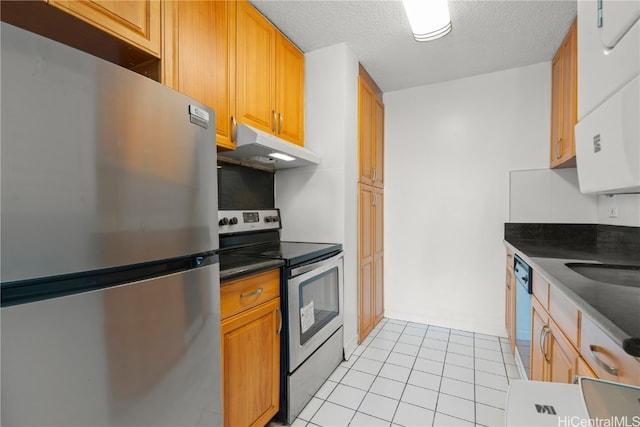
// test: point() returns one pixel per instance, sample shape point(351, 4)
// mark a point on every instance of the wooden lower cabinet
point(251, 359)
point(553, 357)
point(370, 259)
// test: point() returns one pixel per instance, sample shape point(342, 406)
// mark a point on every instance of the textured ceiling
point(487, 35)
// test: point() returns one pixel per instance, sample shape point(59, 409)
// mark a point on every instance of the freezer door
point(144, 354)
point(101, 167)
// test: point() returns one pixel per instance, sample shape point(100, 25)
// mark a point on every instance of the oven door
point(315, 309)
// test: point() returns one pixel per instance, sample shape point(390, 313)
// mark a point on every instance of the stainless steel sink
point(621, 275)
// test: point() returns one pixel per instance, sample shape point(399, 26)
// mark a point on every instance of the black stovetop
point(291, 253)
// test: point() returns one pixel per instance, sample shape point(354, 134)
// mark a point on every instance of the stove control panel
point(235, 221)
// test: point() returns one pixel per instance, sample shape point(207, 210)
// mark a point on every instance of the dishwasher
point(524, 290)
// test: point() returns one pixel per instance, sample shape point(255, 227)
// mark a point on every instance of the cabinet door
point(539, 346)
point(378, 138)
point(510, 309)
point(136, 22)
point(562, 355)
point(366, 262)
point(366, 131)
point(255, 69)
point(378, 255)
point(570, 94)
point(556, 108)
point(289, 91)
point(251, 365)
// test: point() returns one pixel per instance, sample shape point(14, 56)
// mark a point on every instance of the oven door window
point(319, 303)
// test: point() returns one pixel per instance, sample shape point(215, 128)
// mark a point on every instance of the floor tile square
point(489, 345)
point(478, 336)
point(415, 331)
point(442, 420)
point(338, 373)
point(410, 415)
point(458, 373)
point(456, 407)
point(387, 387)
point(397, 322)
point(459, 332)
point(489, 416)
point(326, 390)
point(506, 347)
point(401, 359)
point(376, 354)
point(437, 335)
point(382, 344)
point(349, 363)
point(369, 366)
point(394, 372)
point(378, 406)
point(509, 358)
point(434, 344)
point(431, 354)
point(460, 360)
point(491, 397)
point(393, 327)
point(368, 339)
point(490, 366)
point(457, 388)
point(358, 350)
point(410, 339)
point(298, 423)
point(310, 410)
point(485, 379)
point(426, 365)
point(461, 339)
point(465, 350)
point(420, 396)
point(424, 379)
point(417, 325)
point(364, 420)
point(482, 353)
point(331, 414)
point(358, 379)
point(388, 335)
point(438, 328)
point(411, 350)
point(347, 396)
point(512, 372)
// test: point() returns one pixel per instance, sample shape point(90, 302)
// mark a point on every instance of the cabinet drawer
point(541, 290)
point(565, 314)
point(603, 354)
point(248, 292)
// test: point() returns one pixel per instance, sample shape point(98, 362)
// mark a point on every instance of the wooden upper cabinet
point(370, 131)
point(269, 77)
point(564, 101)
point(255, 72)
point(136, 22)
point(289, 91)
point(199, 57)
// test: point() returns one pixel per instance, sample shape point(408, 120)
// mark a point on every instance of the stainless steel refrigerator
point(110, 279)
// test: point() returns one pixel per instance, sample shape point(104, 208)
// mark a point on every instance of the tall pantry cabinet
point(370, 205)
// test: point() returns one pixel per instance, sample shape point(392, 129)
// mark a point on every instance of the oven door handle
point(313, 266)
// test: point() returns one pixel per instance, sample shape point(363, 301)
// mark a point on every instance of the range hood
point(260, 149)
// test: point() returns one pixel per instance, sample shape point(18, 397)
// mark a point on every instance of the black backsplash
point(240, 187)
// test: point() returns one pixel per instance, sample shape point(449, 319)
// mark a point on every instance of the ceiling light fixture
point(282, 157)
point(429, 20)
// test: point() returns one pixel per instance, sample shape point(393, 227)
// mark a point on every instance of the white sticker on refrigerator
point(306, 317)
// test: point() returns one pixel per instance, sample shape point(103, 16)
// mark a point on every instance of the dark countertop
point(234, 266)
point(615, 309)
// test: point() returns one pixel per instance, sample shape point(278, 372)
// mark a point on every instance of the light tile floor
point(409, 374)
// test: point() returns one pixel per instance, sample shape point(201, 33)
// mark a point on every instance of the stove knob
point(223, 221)
point(267, 219)
point(275, 219)
point(233, 221)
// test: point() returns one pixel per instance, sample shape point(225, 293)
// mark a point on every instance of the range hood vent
point(257, 148)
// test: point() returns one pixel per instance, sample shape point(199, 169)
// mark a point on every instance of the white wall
point(627, 205)
point(449, 148)
point(326, 195)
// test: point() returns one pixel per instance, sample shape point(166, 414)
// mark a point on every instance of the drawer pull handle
point(280, 324)
point(249, 294)
point(593, 349)
point(543, 343)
